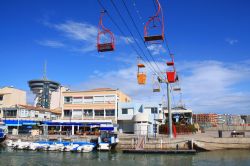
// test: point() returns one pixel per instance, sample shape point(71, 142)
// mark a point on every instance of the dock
point(160, 151)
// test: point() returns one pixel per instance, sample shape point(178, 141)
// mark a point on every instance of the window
point(110, 98)
point(77, 114)
point(154, 110)
point(77, 100)
point(87, 113)
point(67, 113)
point(110, 112)
point(155, 128)
point(88, 99)
point(10, 113)
point(1, 97)
point(99, 99)
point(67, 100)
point(99, 112)
point(124, 111)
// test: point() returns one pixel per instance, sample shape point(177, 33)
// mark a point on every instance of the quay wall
point(197, 141)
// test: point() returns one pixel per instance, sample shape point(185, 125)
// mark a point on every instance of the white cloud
point(78, 31)
point(207, 86)
point(82, 36)
point(213, 86)
point(51, 43)
point(231, 41)
point(124, 39)
point(156, 49)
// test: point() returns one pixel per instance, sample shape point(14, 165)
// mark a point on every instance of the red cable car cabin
point(171, 75)
point(171, 63)
point(105, 38)
point(154, 27)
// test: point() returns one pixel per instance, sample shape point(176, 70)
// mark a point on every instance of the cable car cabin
point(156, 84)
point(170, 63)
point(105, 47)
point(176, 89)
point(105, 38)
point(154, 27)
point(171, 75)
point(156, 90)
point(153, 38)
point(141, 76)
point(154, 33)
point(156, 87)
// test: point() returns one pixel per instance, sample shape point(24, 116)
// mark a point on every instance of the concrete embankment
point(221, 143)
point(160, 142)
point(200, 141)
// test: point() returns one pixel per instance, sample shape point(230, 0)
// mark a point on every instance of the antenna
point(45, 70)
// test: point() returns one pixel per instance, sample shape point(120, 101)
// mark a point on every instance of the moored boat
point(3, 132)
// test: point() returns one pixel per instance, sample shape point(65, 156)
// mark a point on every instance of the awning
point(107, 128)
point(12, 124)
point(29, 123)
point(81, 124)
point(19, 122)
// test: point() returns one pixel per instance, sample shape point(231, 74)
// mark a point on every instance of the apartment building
point(10, 96)
point(94, 105)
point(140, 118)
point(23, 117)
point(206, 119)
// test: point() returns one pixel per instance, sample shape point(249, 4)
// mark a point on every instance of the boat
point(3, 132)
point(70, 148)
point(43, 145)
point(23, 145)
point(85, 147)
point(107, 141)
point(34, 146)
point(55, 146)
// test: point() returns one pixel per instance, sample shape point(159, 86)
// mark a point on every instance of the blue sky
point(210, 40)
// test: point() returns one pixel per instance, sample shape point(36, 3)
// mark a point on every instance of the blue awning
point(107, 128)
point(81, 124)
point(19, 122)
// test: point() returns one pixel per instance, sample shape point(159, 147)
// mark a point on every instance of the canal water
point(9, 157)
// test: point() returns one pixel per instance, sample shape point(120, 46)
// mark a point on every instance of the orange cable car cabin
point(154, 27)
point(105, 38)
point(141, 76)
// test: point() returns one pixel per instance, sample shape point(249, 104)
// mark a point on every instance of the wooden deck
point(160, 151)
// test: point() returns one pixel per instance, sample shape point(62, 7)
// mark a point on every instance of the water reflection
point(9, 157)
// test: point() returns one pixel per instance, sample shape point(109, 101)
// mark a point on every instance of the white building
point(138, 118)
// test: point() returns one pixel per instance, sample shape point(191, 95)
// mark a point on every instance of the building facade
point(206, 120)
point(139, 118)
point(180, 115)
point(96, 106)
point(10, 96)
point(24, 117)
